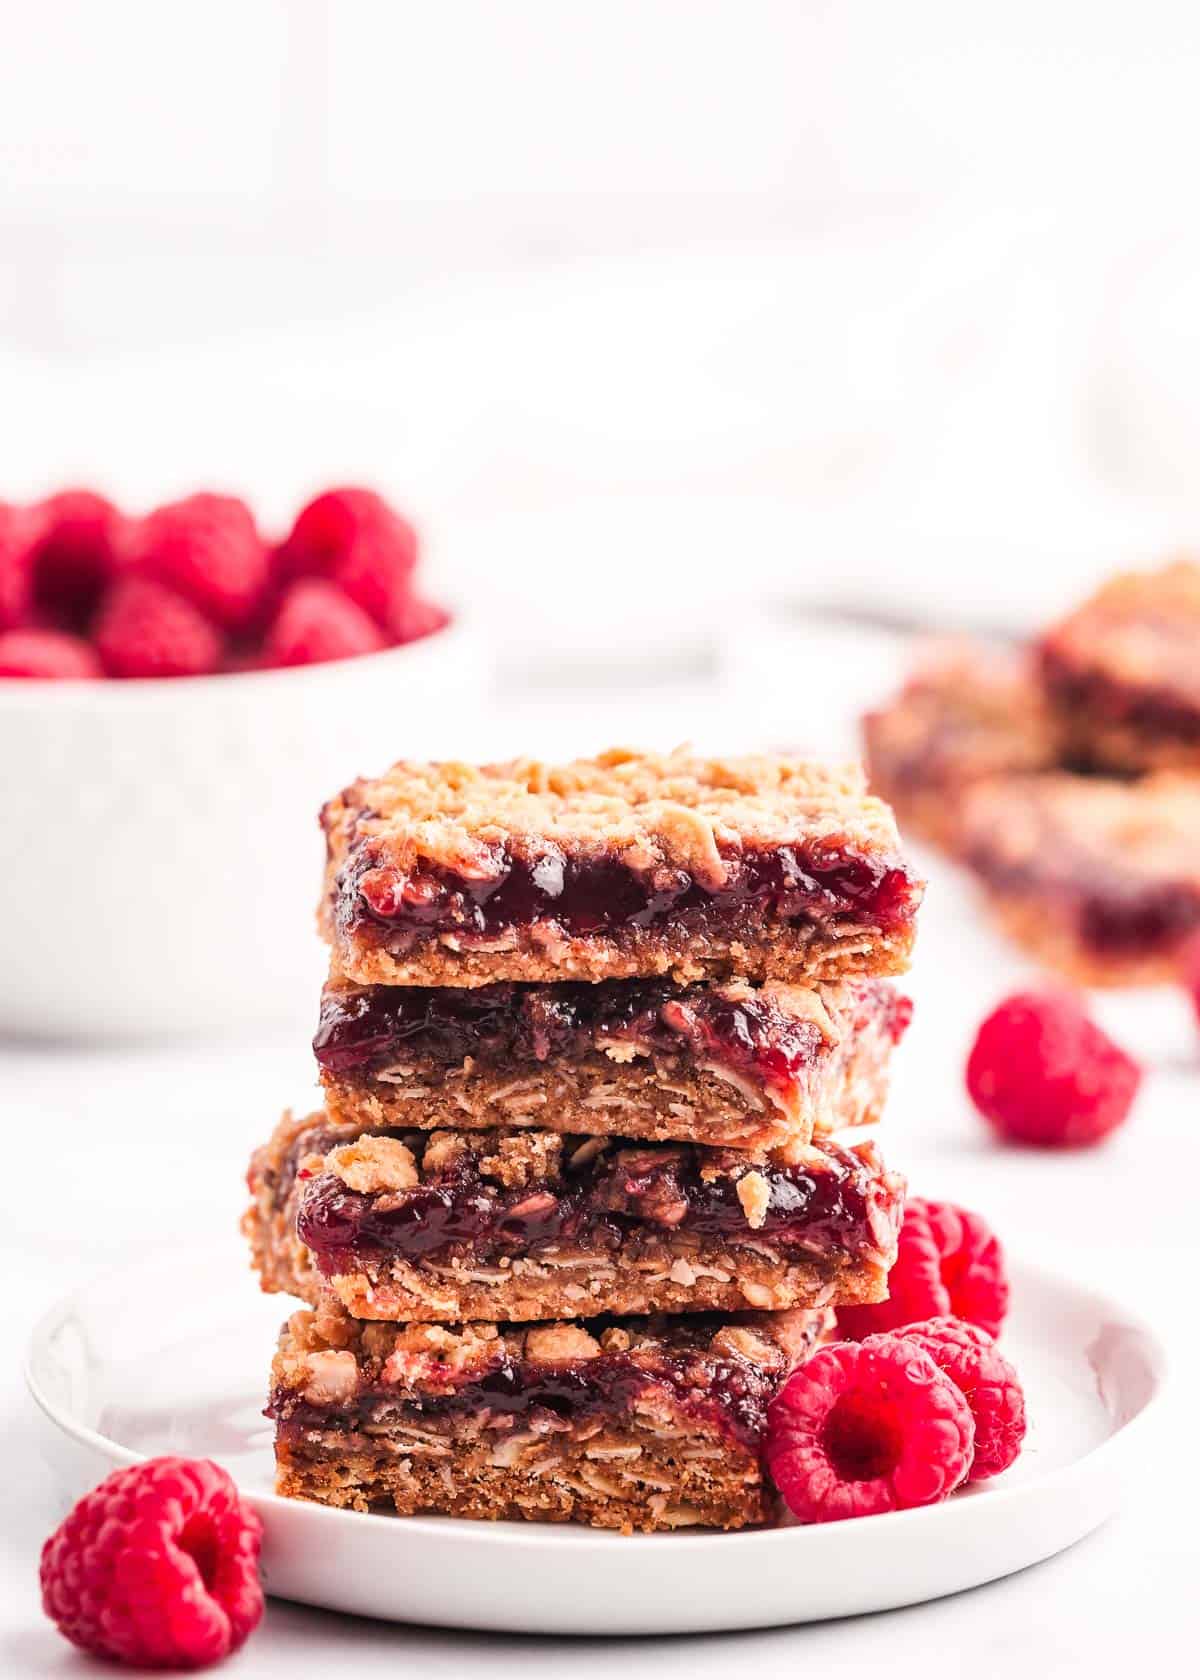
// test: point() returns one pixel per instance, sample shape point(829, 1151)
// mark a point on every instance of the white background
point(917, 280)
point(648, 312)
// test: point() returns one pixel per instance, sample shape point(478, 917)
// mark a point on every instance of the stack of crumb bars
point(573, 1210)
point(1064, 776)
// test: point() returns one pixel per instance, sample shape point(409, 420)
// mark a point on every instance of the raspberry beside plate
point(156, 1567)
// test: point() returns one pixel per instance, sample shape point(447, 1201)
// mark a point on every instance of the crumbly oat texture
point(1098, 879)
point(969, 711)
point(648, 1425)
point(661, 1265)
point(1123, 674)
point(645, 1091)
point(658, 819)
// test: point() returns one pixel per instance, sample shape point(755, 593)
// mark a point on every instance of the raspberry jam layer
point(1146, 919)
point(508, 1023)
point(725, 1390)
point(1116, 915)
point(1153, 711)
point(590, 894)
point(840, 1207)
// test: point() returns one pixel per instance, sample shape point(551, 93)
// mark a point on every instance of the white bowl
point(160, 854)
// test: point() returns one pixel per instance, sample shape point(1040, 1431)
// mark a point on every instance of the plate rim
point(532, 1534)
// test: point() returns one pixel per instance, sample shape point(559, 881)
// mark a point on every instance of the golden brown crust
point(1052, 939)
point(673, 809)
point(749, 944)
point(1123, 674)
point(968, 711)
point(629, 1478)
point(1103, 746)
point(1098, 879)
point(282, 1262)
point(649, 1459)
point(676, 1276)
point(417, 1358)
point(661, 817)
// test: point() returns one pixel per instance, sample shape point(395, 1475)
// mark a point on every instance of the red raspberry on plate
point(415, 618)
point(949, 1262)
point(47, 653)
point(16, 578)
point(334, 523)
point(1042, 1072)
point(157, 1567)
point(865, 1427)
point(974, 1364)
point(79, 540)
point(144, 630)
point(206, 548)
point(315, 623)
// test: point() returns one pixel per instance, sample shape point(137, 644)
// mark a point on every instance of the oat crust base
point(629, 1479)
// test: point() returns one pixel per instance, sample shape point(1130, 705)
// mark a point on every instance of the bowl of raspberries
point(195, 589)
point(179, 690)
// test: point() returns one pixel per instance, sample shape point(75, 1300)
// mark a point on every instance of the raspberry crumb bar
point(532, 1225)
point(969, 711)
point(1098, 879)
point(629, 1424)
point(621, 866)
point(748, 1067)
point(1122, 672)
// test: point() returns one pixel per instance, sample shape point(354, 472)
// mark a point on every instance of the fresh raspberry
point(208, 549)
point(16, 577)
point(865, 1427)
point(949, 1263)
point(370, 575)
point(1041, 1072)
point(144, 630)
point(157, 1567)
point(46, 653)
point(1190, 973)
point(415, 618)
point(338, 522)
point(315, 623)
point(974, 1364)
point(79, 540)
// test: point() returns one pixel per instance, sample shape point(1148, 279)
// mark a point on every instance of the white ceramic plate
point(175, 1358)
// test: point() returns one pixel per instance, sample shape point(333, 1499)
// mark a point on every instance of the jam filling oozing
point(724, 1390)
point(1113, 913)
point(611, 1197)
point(507, 1023)
point(598, 894)
point(1151, 919)
point(1152, 711)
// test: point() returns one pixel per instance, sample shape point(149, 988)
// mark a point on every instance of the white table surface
point(117, 1153)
